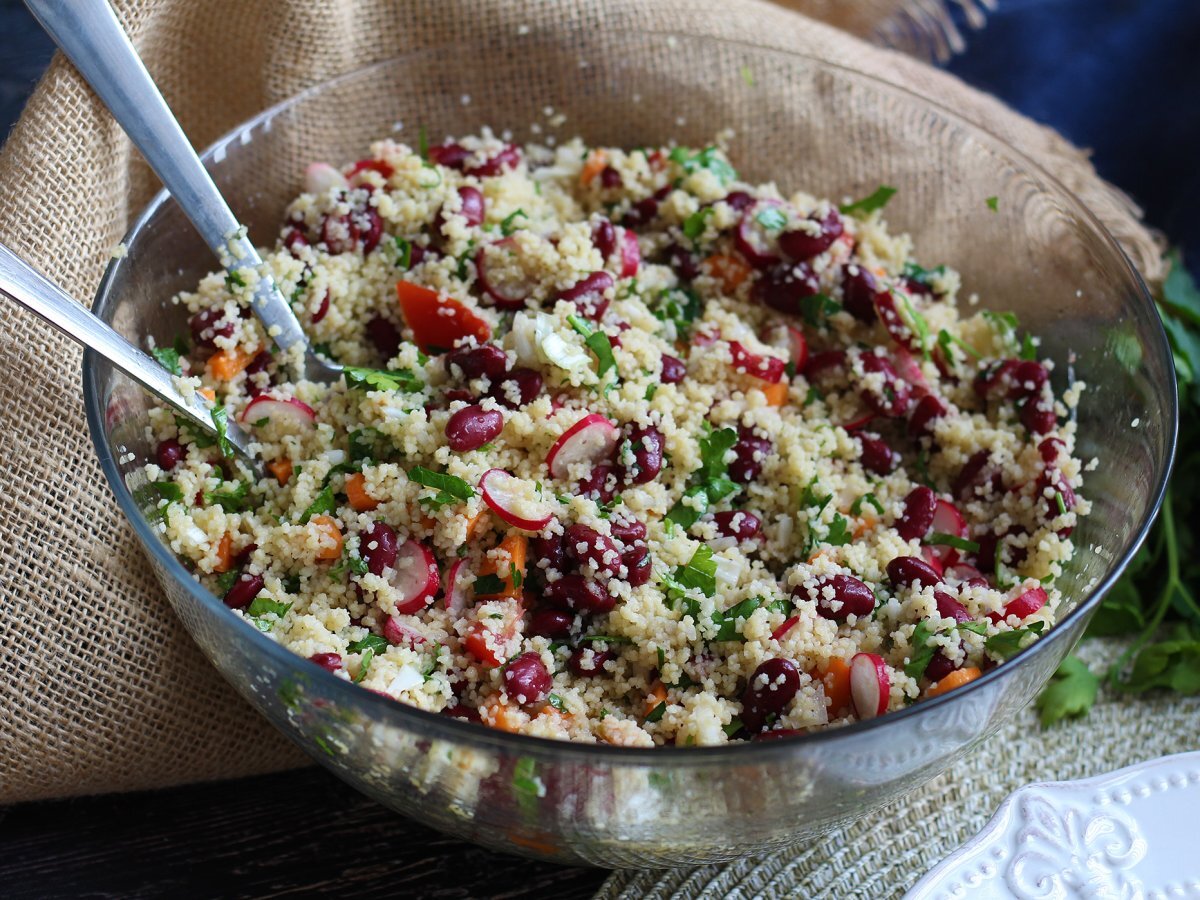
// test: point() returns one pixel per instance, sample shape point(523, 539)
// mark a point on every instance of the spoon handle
point(89, 33)
point(31, 289)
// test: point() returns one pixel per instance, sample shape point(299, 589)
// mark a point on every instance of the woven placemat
point(100, 688)
point(886, 853)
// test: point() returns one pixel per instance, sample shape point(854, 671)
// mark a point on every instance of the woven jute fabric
point(100, 688)
point(884, 854)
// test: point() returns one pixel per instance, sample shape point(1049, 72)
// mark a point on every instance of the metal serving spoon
point(21, 282)
point(89, 34)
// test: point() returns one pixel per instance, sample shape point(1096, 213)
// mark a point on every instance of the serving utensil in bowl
point(806, 125)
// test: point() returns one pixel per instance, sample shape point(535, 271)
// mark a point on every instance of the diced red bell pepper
point(438, 322)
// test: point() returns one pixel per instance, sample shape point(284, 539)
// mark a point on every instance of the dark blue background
point(1120, 77)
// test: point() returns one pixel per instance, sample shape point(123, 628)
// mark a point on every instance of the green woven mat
point(883, 855)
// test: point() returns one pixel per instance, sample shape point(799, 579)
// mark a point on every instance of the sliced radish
point(966, 575)
point(870, 685)
point(456, 596)
point(631, 254)
point(778, 633)
point(755, 237)
point(515, 500)
point(414, 577)
point(797, 348)
point(703, 338)
point(766, 368)
point(893, 320)
point(319, 178)
point(591, 440)
point(947, 520)
point(396, 632)
point(909, 369)
point(1023, 605)
point(933, 559)
point(861, 422)
point(288, 412)
point(502, 274)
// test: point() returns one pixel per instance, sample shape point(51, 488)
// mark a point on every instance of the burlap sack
point(102, 690)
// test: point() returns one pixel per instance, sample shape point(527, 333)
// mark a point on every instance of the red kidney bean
point(551, 623)
point(580, 594)
point(801, 244)
point(588, 663)
point(637, 566)
point(646, 442)
point(737, 523)
point(458, 711)
point(989, 544)
point(383, 336)
point(949, 608)
point(244, 590)
point(822, 363)
point(610, 178)
point(1028, 377)
point(370, 228)
point(322, 309)
point(472, 427)
point(739, 200)
point(771, 688)
point(785, 287)
point(330, 662)
point(244, 554)
point(641, 213)
point(855, 597)
point(339, 234)
point(1037, 414)
point(859, 289)
point(168, 454)
point(673, 370)
point(597, 485)
point(528, 385)
point(751, 452)
point(293, 240)
point(628, 531)
point(1050, 449)
point(683, 262)
point(604, 238)
point(588, 294)
point(509, 157)
point(378, 547)
point(1056, 482)
point(526, 679)
point(208, 325)
point(917, 518)
point(550, 551)
point(977, 478)
point(471, 205)
point(995, 380)
point(927, 409)
point(940, 666)
point(877, 456)
point(584, 545)
point(895, 397)
point(477, 362)
point(451, 155)
point(906, 571)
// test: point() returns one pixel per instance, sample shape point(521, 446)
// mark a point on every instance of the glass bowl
point(798, 121)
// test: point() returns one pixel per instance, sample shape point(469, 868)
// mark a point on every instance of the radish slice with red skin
point(1022, 606)
point(514, 501)
point(754, 241)
point(414, 577)
point(909, 369)
point(455, 591)
point(797, 348)
point(507, 293)
point(631, 253)
point(966, 574)
point(870, 685)
point(286, 411)
point(593, 439)
point(889, 313)
point(947, 520)
point(765, 368)
point(396, 632)
point(933, 559)
point(861, 422)
point(779, 633)
point(322, 177)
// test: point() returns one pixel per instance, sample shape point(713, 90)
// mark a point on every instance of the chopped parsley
point(382, 379)
point(168, 358)
point(597, 341)
point(922, 654)
point(355, 564)
point(1007, 643)
point(867, 205)
point(487, 585)
point(732, 728)
point(449, 487)
point(226, 581)
point(220, 419)
point(657, 712)
point(838, 534)
point(231, 499)
point(371, 642)
point(365, 443)
point(916, 323)
point(946, 340)
point(727, 621)
point(993, 203)
point(709, 158)
point(857, 506)
point(608, 639)
point(772, 219)
point(700, 572)
point(1061, 503)
point(679, 306)
point(922, 275)
point(939, 538)
point(694, 225)
point(710, 483)
point(509, 224)
point(364, 664)
point(403, 254)
point(261, 606)
point(818, 307)
point(323, 504)
point(557, 702)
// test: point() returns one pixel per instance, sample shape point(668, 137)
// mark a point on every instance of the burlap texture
point(101, 689)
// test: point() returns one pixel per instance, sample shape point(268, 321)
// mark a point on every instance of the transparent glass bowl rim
point(438, 727)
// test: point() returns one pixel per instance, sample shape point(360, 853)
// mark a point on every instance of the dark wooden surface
point(297, 834)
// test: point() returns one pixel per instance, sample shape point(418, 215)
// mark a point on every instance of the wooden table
point(296, 834)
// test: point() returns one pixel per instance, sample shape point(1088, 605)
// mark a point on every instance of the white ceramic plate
point(1128, 835)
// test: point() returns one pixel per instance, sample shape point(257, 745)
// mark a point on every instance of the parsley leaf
point(941, 539)
point(922, 654)
point(403, 254)
point(383, 380)
point(509, 224)
point(657, 712)
point(700, 572)
point(1007, 643)
point(370, 642)
point(598, 342)
point(867, 205)
point(168, 358)
point(488, 585)
point(993, 203)
point(817, 307)
point(262, 604)
point(711, 483)
point(323, 504)
point(449, 487)
point(709, 158)
point(693, 225)
point(1071, 692)
point(231, 500)
point(220, 418)
point(856, 507)
point(772, 219)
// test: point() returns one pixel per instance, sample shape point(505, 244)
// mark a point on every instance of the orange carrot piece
point(776, 393)
point(837, 685)
point(730, 270)
point(224, 554)
point(517, 546)
point(596, 162)
point(954, 680)
point(208, 394)
point(224, 365)
point(281, 469)
point(865, 524)
point(332, 545)
point(356, 493)
point(657, 695)
point(478, 524)
point(476, 644)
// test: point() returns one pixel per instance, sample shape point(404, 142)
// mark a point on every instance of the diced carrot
point(495, 712)
point(596, 162)
point(730, 270)
point(776, 392)
point(837, 685)
point(224, 554)
point(356, 493)
point(281, 469)
point(657, 695)
point(476, 644)
point(516, 545)
point(208, 394)
point(437, 322)
point(478, 524)
point(954, 680)
point(426, 521)
point(224, 365)
point(332, 544)
point(865, 524)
